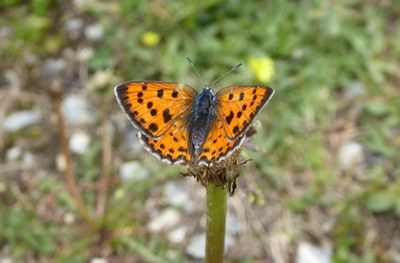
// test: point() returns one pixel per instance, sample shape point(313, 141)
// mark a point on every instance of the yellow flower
point(317, 14)
point(150, 39)
point(262, 67)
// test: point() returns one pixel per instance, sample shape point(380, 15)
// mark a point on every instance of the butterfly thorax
point(200, 121)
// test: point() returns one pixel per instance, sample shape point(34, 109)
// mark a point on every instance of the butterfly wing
point(154, 106)
point(217, 146)
point(237, 107)
point(172, 147)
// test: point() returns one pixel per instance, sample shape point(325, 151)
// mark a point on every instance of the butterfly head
point(208, 89)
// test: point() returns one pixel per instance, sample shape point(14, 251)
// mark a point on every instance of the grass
point(322, 51)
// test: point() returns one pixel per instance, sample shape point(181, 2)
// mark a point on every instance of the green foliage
point(384, 200)
point(40, 7)
point(348, 235)
point(88, 167)
point(25, 232)
point(10, 3)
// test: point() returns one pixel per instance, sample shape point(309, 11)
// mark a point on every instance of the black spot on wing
point(229, 118)
point(241, 96)
point(153, 127)
point(167, 116)
point(182, 149)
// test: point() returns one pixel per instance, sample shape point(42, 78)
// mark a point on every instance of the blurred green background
point(324, 185)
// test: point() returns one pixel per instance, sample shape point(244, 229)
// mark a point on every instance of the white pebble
point(77, 111)
point(94, 32)
point(21, 119)
point(79, 142)
point(28, 159)
point(165, 220)
point(84, 54)
point(6, 260)
point(197, 246)
point(178, 235)
point(233, 225)
point(175, 194)
point(74, 24)
point(98, 260)
point(133, 171)
point(13, 154)
point(69, 218)
point(350, 154)
point(54, 66)
point(308, 253)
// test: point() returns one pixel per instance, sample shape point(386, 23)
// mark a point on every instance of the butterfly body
point(200, 120)
point(179, 125)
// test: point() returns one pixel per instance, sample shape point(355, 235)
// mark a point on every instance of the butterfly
point(180, 125)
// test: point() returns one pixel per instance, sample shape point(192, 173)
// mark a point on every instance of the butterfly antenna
point(225, 74)
point(195, 70)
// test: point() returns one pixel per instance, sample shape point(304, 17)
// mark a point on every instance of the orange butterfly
point(179, 125)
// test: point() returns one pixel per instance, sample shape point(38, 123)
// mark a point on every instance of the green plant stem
point(215, 228)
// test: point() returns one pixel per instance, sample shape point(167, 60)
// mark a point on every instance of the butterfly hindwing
point(237, 107)
point(172, 147)
point(217, 146)
point(154, 106)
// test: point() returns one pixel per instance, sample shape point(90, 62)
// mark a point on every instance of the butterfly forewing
point(154, 106)
point(237, 107)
